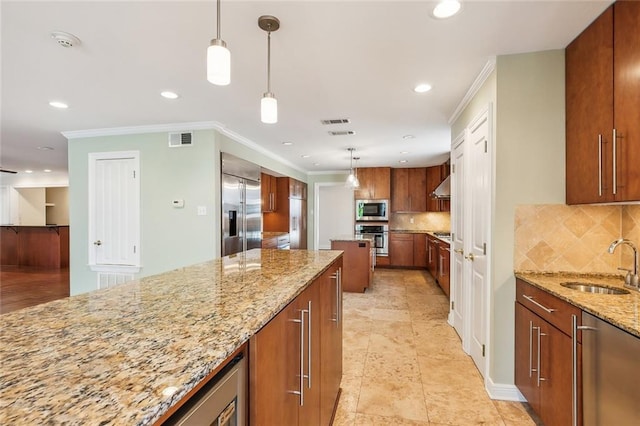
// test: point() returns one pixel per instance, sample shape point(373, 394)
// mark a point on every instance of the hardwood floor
point(21, 287)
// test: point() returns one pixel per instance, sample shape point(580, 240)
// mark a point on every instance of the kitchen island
point(109, 356)
point(359, 261)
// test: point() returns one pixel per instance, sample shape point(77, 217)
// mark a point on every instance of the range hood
point(443, 191)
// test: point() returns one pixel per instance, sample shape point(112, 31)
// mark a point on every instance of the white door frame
point(94, 157)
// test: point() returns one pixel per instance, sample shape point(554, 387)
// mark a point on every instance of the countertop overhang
point(621, 310)
point(105, 357)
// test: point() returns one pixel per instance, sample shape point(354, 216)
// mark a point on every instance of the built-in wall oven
point(379, 233)
point(372, 210)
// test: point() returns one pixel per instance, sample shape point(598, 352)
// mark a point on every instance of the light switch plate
point(202, 210)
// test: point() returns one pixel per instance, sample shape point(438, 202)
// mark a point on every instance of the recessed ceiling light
point(316, 164)
point(169, 95)
point(403, 161)
point(28, 171)
point(45, 148)
point(422, 88)
point(287, 143)
point(58, 104)
point(404, 152)
point(47, 170)
point(305, 156)
point(446, 9)
point(408, 137)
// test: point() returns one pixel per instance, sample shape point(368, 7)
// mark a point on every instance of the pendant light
point(352, 180)
point(218, 59)
point(269, 103)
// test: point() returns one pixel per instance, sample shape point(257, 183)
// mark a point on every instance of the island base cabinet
point(543, 367)
point(296, 359)
point(330, 341)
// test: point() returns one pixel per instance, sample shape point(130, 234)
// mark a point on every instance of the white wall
point(335, 212)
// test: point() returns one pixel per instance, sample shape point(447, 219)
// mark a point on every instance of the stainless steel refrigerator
point(241, 215)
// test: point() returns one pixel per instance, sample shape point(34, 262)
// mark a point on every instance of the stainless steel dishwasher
point(221, 402)
point(610, 374)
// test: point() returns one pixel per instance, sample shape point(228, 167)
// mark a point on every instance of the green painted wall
point(170, 237)
point(527, 93)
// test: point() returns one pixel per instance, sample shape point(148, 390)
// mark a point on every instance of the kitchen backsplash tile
point(561, 238)
point(432, 221)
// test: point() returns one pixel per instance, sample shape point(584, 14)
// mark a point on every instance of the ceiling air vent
point(342, 133)
point(177, 139)
point(336, 121)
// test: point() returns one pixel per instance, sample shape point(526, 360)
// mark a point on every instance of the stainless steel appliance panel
point(610, 374)
point(232, 215)
point(378, 233)
point(372, 210)
point(253, 226)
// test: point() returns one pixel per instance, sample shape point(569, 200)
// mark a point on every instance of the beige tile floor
point(404, 365)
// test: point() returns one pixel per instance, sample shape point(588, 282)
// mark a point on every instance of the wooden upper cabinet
point(268, 192)
point(375, 183)
point(434, 178)
point(297, 189)
point(408, 193)
point(600, 66)
point(626, 95)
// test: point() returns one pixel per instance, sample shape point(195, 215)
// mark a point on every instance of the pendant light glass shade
point(269, 108)
point(218, 63)
point(352, 180)
point(218, 58)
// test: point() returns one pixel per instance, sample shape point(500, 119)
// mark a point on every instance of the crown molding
point(180, 127)
point(473, 90)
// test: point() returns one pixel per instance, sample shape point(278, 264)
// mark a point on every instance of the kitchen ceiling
point(329, 60)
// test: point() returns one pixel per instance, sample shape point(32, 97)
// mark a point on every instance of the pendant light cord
point(218, 21)
point(269, 62)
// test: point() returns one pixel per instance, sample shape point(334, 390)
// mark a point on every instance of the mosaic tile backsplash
point(561, 238)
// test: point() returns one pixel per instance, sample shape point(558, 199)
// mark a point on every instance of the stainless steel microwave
point(372, 210)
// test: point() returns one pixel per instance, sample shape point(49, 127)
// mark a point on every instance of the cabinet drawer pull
point(530, 299)
point(531, 369)
point(540, 334)
point(309, 347)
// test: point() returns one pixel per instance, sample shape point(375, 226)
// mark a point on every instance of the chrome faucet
point(631, 280)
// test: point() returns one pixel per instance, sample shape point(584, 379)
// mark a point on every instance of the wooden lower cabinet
point(432, 256)
point(544, 357)
point(444, 273)
point(400, 249)
point(357, 261)
point(295, 363)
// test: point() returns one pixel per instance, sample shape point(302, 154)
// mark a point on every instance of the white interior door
point(479, 197)
point(458, 169)
point(335, 213)
point(114, 198)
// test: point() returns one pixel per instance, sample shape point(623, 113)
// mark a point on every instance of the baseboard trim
point(503, 392)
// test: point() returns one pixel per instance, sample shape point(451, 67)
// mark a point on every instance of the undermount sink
point(595, 288)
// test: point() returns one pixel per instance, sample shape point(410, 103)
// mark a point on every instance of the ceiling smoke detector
point(65, 39)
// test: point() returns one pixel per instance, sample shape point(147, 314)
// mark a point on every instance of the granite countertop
point(347, 238)
point(105, 357)
point(274, 234)
point(409, 231)
point(621, 310)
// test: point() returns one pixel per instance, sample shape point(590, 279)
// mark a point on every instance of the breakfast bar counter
point(109, 356)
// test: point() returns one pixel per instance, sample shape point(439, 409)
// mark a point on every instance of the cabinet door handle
point(302, 376)
point(531, 327)
point(336, 276)
point(540, 334)
point(600, 165)
point(615, 161)
point(530, 299)
point(309, 346)
point(339, 298)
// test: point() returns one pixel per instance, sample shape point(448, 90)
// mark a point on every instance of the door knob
point(97, 243)
point(470, 257)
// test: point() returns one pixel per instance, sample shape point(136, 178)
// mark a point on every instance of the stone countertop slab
point(621, 310)
point(271, 234)
point(105, 357)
